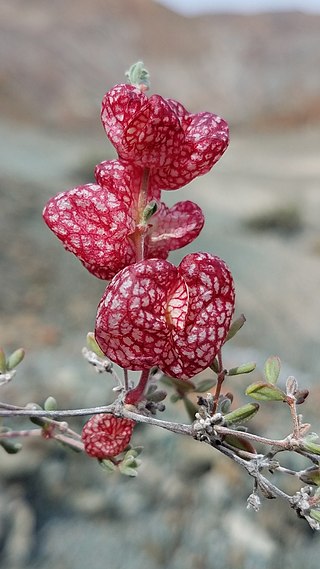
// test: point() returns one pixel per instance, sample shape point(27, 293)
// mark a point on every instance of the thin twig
point(282, 443)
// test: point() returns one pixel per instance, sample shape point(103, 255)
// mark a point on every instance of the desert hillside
point(59, 57)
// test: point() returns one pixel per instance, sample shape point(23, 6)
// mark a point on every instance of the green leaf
point(240, 443)
point(315, 514)
point(265, 392)
point(205, 385)
point(138, 75)
point(272, 369)
point(157, 396)
point(93, 345)
point(50, 404)
point(244, 368)
point(15, 359)
point(311, 447)
point(242, 414)
point(235, 327)
point(134, 451)
point(150, 209)
point(10, 446)
point(311, 437)
point(3, 361)
point(224, 405)
point(127, 470)
point(311, 476)
point(108, 465)
point(129, 461)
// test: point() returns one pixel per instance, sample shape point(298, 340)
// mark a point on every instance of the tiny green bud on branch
point(15, 359)
point(244, 368)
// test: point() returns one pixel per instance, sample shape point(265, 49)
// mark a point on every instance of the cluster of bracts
point(152, 313)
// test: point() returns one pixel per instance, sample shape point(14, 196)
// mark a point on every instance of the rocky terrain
point(58, 58)
point(262, 204)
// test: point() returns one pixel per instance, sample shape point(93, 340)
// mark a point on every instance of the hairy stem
point(135, 395)
point(220, 379)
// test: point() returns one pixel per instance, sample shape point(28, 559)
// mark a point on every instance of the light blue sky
point(198, 6)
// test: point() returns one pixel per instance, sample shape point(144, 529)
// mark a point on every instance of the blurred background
point(259, 69)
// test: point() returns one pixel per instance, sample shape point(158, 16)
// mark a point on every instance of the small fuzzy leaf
point(315, 514)
point(127, 470)
point(265, 392)
point(242, 414)
point(135, 451)
point(311, 437)
point(311, 476)
point(15, 359)
point(149, 210)
point(244, 368)
point(93, 345)
point(129, 461)
point(157, 396)
point(137, 74)
point(272, 369)
point(240, 443)
point(3, 361)
point(205, 385)
point(224, 405)
point(10, 447)
point(311, 447)
point(50, 404)
point(235, 327)
point(108, 465)
point(291, 386)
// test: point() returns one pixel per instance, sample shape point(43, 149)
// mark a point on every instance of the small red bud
point(105, 435)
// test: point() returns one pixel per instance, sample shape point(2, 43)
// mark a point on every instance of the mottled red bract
point(153, 313)
point(160, 134)
point(97, 222)
point(94, 221)
point(106, 436)
point(173, 228)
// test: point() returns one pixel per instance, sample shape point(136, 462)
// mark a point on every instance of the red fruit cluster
point(160, 134)
point(177, 318)
point(105, 436)
point(152, 313)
